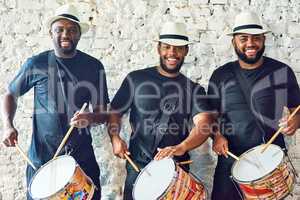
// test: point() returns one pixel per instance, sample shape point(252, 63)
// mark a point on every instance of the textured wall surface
point(122, 36)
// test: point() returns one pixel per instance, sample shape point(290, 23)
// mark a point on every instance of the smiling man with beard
point(63, 80)
point(162, 102)
point(249, 95)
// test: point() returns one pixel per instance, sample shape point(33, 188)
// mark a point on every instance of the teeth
point(171, 59)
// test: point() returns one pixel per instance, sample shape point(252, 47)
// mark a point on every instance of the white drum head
point(52, 177)
point(254, 165)
point(154, 179)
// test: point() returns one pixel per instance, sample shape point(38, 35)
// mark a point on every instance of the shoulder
point(144, 73)
point(223, 72)
point(90, 60)
point(278, 67)
point(37, 61)
point(275, 64)
point(41, 57)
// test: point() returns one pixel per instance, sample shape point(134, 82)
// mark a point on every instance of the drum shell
point(278, 183)
point(78, 182)
point(182, 186)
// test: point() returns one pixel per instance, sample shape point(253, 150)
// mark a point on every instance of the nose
point(65, 33)
point(172, 50)
point(250, 41)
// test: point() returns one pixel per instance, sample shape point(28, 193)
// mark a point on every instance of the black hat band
point(70, 16)
point(249, 26)
point(170, 36)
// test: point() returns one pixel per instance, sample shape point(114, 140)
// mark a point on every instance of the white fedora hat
point(174, 33)
point(69, 12)
point(248, 22)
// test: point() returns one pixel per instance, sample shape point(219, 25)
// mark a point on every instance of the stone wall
point(121, 36)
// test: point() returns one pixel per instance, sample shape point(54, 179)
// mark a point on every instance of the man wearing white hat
point(63, 80)
point(249, 95)
point(161, 101)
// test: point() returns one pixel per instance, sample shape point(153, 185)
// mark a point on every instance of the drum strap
point(245, 87)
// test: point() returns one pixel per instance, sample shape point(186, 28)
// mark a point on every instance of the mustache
point(244, 57)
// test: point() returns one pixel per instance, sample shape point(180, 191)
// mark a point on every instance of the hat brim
point(174, 42)
point(249, 31)
point(84, 27)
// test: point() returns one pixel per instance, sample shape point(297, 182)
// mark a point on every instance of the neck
point(63, 55)
point(166, 74)
point(251, 66)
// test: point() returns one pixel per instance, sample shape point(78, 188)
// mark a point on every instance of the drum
point(164, 180)
point(61, 179)
point(264, 176)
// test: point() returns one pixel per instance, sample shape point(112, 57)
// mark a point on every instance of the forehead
point(165, 44)
point(64, 23)
point(248, 35)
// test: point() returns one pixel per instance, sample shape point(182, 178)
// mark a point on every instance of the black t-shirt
point(273, 86)
point(147, 93)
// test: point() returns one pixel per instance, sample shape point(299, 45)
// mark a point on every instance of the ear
point(50, 33)
point(186, 50)
point(158, 48)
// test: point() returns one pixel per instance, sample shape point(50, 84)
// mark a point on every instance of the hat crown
point(174, 28)
point(248, 22)
point(247, 18)
point(68, 9)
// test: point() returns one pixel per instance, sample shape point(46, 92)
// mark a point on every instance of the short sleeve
point(24, 80)
point(293, 90)
point(103, 98)
point(200, 101)
point(123, 99)
point(213, 94)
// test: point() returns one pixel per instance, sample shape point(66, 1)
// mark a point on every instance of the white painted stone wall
point(121, 37)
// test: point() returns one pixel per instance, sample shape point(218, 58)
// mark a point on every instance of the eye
point(165, 47)
point(73, 30)
point(58, 30)
point(243, 39)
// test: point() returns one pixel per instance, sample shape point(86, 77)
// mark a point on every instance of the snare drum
point(164, 180)
point(61, 179)
point(264, 176)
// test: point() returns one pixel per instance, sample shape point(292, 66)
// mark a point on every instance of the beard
point(65, 51)
point(68, 51)
point(247, 60)
point(171, 71)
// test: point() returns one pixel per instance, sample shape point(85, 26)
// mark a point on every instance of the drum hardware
point(236, 187)
point(291, 163)
point(252, 184)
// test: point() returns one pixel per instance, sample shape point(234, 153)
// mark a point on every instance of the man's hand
point(289, 127)
point(119, 146)
point(177, 150)
point(220, 145)
point(82, 120)
point(10, 137)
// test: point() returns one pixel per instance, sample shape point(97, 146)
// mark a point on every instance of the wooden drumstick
point(233, 156)
point(132, 163)
point(279, 130)
point(185, 162)
point(67, 134)
point(24, 156)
